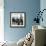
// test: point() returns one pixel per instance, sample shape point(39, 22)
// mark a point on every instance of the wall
point(43, 6)
point(28, 6)
point(1, 21)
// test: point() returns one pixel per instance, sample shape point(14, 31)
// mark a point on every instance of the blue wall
point(28, 6)
point(43, 6)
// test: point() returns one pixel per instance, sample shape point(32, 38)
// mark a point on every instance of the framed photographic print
point(17, 19)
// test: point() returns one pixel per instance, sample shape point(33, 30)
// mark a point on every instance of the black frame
point(24, 20)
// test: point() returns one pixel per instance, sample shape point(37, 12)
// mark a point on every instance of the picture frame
point(17, 19)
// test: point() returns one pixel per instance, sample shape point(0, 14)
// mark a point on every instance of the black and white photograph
point(17, 19)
